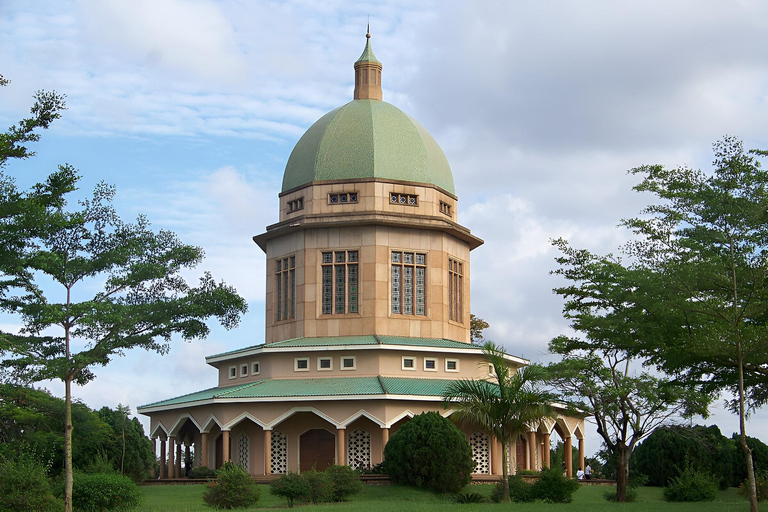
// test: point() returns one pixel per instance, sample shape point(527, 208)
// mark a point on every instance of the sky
point(192, 107)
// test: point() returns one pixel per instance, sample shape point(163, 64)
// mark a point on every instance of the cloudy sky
point(191, 108)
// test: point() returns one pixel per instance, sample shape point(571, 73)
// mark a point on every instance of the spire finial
point(368, 31)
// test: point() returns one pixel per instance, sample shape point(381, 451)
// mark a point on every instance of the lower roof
point(286, 389)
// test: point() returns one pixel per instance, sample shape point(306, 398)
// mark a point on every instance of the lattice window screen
point(359, 449)
point(480, 452)
point(243, 451)
point(279, 453)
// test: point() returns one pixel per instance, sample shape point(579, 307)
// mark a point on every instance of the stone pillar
point(546, 449)
point(341, 459)
point(532, 451)
point(171, 453)
point(568, 456)
point(163, 467)
point(267, 452)
point(204, 448)
point(384, 440)
point(581, 453)
point(225, 446)
point(177, 469)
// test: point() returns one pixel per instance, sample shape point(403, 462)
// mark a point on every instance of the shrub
point(234, 488)
point(520, 491)
point(429, 451)
point(24, 486)
point(320, 486)
point(691, 485)
point(469, 497)
point(292, 487)
point(761, 481)
point(345, 482)
point(97, 492)
point(202, 472)
point(553, 487)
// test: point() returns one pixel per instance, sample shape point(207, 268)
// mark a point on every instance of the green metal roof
point(334, 341)
point(367, 55)
point(339, 386)
point(367, 139)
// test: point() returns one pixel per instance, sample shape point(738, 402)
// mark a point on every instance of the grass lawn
point(395, 498)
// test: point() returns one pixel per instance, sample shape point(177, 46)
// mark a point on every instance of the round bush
point(97, 492)
point(24, 486)
point(553, 487)
point(429, 451)
point(234, 488)
point(345, 482)
point(691, 485)
point(292, 487)
point(761, 479)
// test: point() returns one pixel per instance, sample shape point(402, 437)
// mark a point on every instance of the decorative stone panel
point(480, 452)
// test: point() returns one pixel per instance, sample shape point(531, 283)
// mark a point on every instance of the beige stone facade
point(367, 322)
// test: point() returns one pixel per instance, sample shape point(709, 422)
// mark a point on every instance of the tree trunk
point(743, 439)
point(622, 473)
point(68, 478)
point(504, 473)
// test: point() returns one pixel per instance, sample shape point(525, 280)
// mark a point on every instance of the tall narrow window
point(286, 288)
point(409, 283)
point(455, 290)
point(339, 282)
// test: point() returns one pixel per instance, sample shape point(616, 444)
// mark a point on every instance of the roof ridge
point(381, 383)
point(240, 388)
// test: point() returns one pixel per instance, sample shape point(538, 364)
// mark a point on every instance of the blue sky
point(191, 108)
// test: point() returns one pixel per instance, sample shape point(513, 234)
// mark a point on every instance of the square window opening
point(244, 370)
point(255, 368)
point(301, 364)
point(451, 365)
point(324, 364)
point(348, 363)
point(430, 365)
point(232, 372)
point(409, 363)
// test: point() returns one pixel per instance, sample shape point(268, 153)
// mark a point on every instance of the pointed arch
point(364, 413)
point(180, 423)
point(295, 410)
point(154, 434)
point(209, 423)
point(242, 417)
point(400, 416)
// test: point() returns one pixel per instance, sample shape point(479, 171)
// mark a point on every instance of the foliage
point(202, 472)
point(98, 492)
point(292, 487)
point(665, 452)
point(467, 498)
point(598, 372)
point(476, 327)
point(345, 482)
point(505, 406)
point(520, 491)
point(34, 418)
point(691, 485)
point(320, 486)
point(761, 480)
point(234, 488)
point(429, 451)
point(24, 485)
point(553, 487)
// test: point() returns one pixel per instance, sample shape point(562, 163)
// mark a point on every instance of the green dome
point(367, 139)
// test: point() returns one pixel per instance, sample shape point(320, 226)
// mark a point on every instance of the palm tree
point(505, 405)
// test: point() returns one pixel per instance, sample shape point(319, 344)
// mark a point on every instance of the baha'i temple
point(367, 310)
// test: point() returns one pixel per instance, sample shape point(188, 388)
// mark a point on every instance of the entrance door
point(521, 453)
point(219, 452)
point(317, 448)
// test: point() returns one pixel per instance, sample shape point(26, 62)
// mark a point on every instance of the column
point(171, 452)
point(267, 452)
point(187, 457)
point(496, 457)
point(204, 448)
point(384, 440)
point(177, 469)
point(568, 456)
point(225, 446)
point(581, 453)
point(546, 449)
point(163, 467)
point(532, 450)
point(340, 445)
point(154, 452)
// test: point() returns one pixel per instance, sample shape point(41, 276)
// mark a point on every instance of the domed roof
point(367, 139)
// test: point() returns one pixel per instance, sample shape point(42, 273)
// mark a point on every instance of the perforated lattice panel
point(480, 452)
point(242, 451)
point(279, 453)
point(359, 449)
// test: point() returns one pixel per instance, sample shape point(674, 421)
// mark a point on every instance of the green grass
point(395, 498)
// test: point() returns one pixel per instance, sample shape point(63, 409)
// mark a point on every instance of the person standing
point(588, 472)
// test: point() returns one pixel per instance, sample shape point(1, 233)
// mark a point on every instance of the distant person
point(588, 472)
point(580, 474)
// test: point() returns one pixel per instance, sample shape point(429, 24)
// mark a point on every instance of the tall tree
point(706, 241)
point(143, 299)
point(476, 327)
point(505, 405)
point(597, 373)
